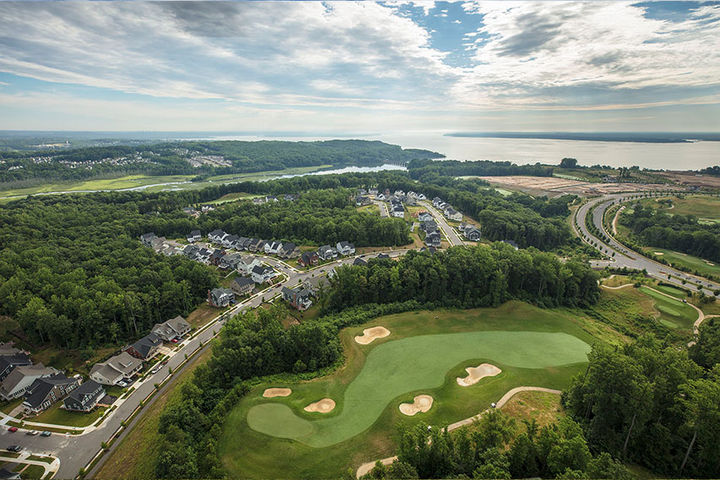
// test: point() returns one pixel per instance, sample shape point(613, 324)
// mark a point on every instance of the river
point(658, 156)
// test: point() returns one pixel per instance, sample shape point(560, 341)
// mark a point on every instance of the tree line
point(496, 448)
point(421, 169)
point(465, 277)
point(650, 403)
point(682, 233)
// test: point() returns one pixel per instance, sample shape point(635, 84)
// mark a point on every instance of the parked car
point(155, 370)
point(14, 448)
point(122, 384)
point(45, 434)
point(32, 432)
point(13, 429)
point(174, 340)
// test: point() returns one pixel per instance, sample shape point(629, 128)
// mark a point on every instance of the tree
point(568, 162)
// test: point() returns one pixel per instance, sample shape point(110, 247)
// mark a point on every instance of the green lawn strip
point(703, 267)
point(252, 454)
point(59, 416)
point(675, 292)
point(33, 471)
point(672, 310)
point(11, 405)
point(39, 458)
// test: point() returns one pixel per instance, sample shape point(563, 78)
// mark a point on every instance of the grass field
point(424, 354)
point(702, 206)
point(688, 261)
point(151, 183)
point(134, 458)
point(673, 313)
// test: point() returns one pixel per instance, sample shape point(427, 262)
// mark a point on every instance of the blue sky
point(360, 67)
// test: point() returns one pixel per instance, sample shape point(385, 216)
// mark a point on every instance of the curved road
point(623, 256)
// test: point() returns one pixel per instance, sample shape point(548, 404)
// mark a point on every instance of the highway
point(624, 257)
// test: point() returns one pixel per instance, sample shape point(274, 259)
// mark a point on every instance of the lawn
point(702, 206)
point(33, 471)
point(425, 352)
point(673, 313)
point(232, 197)
point(202, 315)
point(695, 264)
point(674, 291)
point(59, 416)
point(134, 458)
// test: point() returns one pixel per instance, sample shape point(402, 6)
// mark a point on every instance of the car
point(14, 448)
point(122, 384)
point(493, 405)
point(174, 340)
point(13, 429)
point(32, 432)
point(155, 370)
point(45, 434)
point(165, 362)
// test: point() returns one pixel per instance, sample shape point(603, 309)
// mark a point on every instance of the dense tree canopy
point(651, 404)
point(682, 233)
point(466, 277)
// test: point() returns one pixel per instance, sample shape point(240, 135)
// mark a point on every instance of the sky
point(360, 67)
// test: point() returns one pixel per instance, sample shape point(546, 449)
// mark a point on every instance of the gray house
point(145, 348)
point(221, 297)
point(44, 392)
point(171, 329)
point(8, 363)
point(18, 381)
point(85, 397)
point(242, 285)
point(121, 367)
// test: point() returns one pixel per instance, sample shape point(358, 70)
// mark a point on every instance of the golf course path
point(365, 468)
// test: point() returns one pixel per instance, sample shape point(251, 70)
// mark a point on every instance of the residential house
point(290, 197)
point(246, 265)
point(21, 378)
point(345, 248)
point(383, 255)
point(262, 273)
point(472, 233)
point(359, 262)
point(190, 211)
point(429, 226)
point(361, 200)
point(230, 261)
point(216, 236)
point(242, 285)
point(410, 200)
point(147, 239)
point(221, 297)
point(44, 392)
point(453, 214)
point(203, 256)
point(8, 348)
point(425, 217)
point(194, 236)
point(433, 239)
point(308, 258)
point(258, 200)
point(299, 297)
point(145, 348)
point(8, 363)
point(171, 329)
point(272, 247)
point(398, 211)
point(326, 252)
point(216, 256)
point(288, 250)
point(373, 191)
point(120, 368)
point(230, 241)
point(85, 397)
point(6, 474)
point(242, 243)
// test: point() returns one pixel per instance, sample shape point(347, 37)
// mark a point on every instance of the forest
point(682, 233)
point(466, 277)
point(424, 169)
point(652, 404)
point(73, 273)
point(172, 158)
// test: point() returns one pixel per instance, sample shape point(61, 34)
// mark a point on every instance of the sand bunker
point(421, 404)
point(477, 373)
point(710, 263)
point(370, 334)
point(321, 406)
point(276, 392)
point(658, 253)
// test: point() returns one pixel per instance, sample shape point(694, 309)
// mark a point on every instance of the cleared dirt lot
point(559, 186)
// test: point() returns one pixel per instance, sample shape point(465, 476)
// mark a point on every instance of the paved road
point(446, 228)
point(624, 257)
point(75, 451)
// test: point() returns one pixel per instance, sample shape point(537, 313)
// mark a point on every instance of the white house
point(262, 274)
point(345, 248)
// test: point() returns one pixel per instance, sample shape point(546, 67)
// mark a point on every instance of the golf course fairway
point(410, 364)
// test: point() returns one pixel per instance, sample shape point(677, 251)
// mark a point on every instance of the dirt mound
point(325, 405)
point(276, 392)
point(370, 334)
point(421, 404)
point(475, 374)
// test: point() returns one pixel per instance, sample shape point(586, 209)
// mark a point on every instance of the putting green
point(398, 367)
